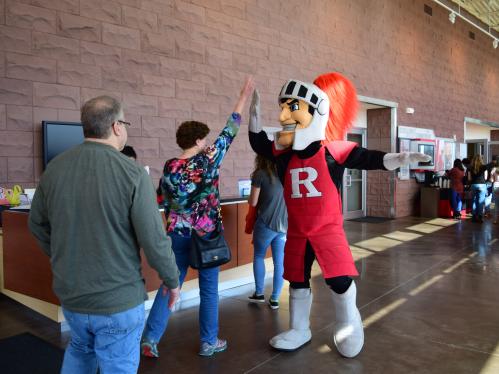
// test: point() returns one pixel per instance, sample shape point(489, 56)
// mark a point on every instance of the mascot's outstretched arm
point(392, 161)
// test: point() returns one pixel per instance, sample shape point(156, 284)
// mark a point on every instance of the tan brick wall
point(171, 60)
point(407, 198)
point(494, 149)
point(379, 183)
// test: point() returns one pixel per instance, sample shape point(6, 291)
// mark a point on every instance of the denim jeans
point(495, 194)
point(262, 238)
point(208, 292)
point(456, 202)
point(488, 198)
point(109, 342)
point(479, 192)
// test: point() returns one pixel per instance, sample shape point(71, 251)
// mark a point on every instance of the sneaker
point(274, 304)
point(149, 349)
point(208, 349)
point(256, 298)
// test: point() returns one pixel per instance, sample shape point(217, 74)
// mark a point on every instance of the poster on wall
point(463, 151)
point(449, 155)
point(404, 171)
point(445, 155)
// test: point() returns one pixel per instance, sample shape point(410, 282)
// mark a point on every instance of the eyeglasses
point(124, 123)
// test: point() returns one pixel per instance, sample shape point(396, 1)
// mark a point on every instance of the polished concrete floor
point(428, 292)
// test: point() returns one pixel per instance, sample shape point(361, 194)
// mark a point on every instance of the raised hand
point(254, 112)
point(246, 91)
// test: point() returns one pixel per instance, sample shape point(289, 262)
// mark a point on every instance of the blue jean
point(208, 292)
point(456, 202)
point(488, 198)
point(263, 236)
point(479, 192)
point(109, 342)
point(495, 194)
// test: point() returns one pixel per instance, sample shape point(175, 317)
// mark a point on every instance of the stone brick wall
point(380, 184)
point(494, 148)
point(171, 60)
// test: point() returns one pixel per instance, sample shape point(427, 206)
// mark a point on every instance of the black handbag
point(208, 251)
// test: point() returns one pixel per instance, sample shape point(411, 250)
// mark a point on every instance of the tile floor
point(428, 292)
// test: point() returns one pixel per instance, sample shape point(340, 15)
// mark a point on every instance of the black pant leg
point(308, 260)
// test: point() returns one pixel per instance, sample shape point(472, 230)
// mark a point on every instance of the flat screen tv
point(59, 137)
point(429, 150)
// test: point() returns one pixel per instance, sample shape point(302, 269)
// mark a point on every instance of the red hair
point(342, 104)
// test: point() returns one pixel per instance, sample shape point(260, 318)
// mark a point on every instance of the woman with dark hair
point(269, 229)
point(192, 203)
point(129, 152)
point(456, 175)
point(477, 176)
point(494, 178)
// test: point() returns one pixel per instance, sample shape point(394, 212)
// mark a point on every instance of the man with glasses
point(92, 211)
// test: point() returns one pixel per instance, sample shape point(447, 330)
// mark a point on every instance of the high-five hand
point(246, 91)
point(254, 119)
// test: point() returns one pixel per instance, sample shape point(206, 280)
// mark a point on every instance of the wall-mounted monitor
point(429, 148)
point(59, 137)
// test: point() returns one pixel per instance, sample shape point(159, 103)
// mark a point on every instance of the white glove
point(254, 113)
point(391, 161)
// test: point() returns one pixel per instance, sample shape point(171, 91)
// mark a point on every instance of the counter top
point(226, 200)
point(233, 200)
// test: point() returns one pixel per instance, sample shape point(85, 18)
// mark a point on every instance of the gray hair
point(98, 115)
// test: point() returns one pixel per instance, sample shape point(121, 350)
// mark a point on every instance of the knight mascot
point(311, 155)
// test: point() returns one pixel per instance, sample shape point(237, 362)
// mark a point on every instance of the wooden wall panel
point(26, 266)
point(244, 245)
point(229, 214)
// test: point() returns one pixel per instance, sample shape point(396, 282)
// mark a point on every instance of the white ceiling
point(486, 11)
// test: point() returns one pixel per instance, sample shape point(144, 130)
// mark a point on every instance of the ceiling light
point(495, 43)
point(452, 17)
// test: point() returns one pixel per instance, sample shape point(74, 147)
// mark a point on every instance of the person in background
point(494, 178)
point(269, 229)
point(489, 196)
point(456, 175)
point(467, 194)
point(477, 175)
point(129, 152)
point(92, 212)
point(190, 189)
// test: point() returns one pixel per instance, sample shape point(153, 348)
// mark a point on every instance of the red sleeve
point(340, 149)
point(250, 220)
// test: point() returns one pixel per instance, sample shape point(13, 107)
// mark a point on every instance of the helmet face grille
point(303, 91)
point(290, 88)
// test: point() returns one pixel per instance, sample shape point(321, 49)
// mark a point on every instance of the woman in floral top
point(190, 185)
point(192, 202)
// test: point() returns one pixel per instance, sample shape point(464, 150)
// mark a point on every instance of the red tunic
point(315, 214)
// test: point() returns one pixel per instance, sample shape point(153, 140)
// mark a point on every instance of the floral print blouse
point(190, 186)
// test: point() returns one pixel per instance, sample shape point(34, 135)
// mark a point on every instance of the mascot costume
point(311, 155)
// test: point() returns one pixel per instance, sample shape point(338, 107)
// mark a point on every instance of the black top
point(359, 158)
point(478, 178)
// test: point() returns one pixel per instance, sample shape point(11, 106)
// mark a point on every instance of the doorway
point(354, 182)
point(478, 147)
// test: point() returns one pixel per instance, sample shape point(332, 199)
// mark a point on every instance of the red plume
point(342, 104)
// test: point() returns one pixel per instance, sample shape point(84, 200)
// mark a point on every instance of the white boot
point(348, 332)
point(300, 302)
